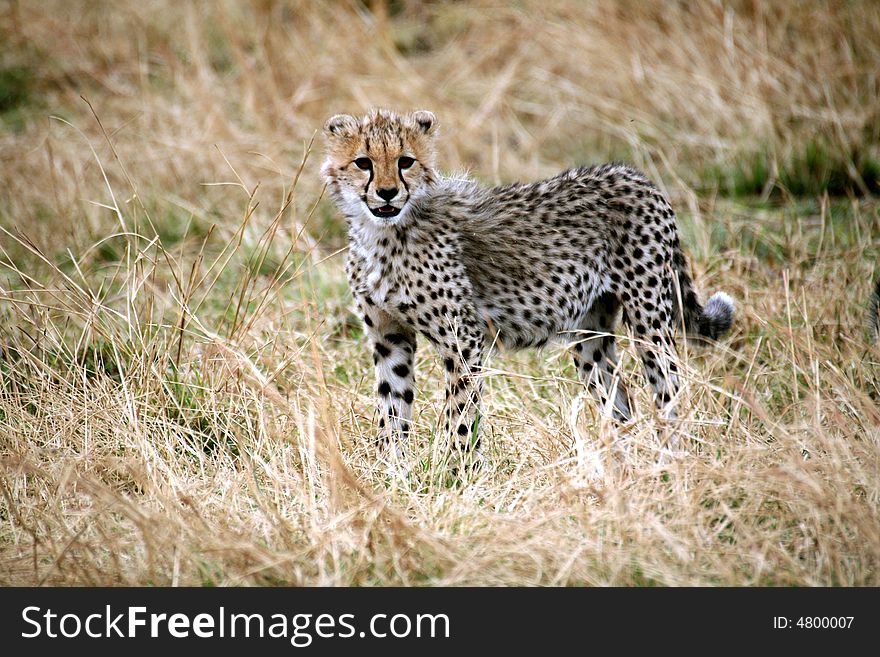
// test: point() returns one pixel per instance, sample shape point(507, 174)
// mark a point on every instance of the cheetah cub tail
point(717, 316)
point(710, 321)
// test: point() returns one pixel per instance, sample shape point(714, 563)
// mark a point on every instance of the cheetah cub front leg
point(461, 353)
point(394, 347)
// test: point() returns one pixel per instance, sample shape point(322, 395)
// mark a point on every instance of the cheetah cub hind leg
point(595, 358)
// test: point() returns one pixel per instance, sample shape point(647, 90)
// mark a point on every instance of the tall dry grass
point(185, 397)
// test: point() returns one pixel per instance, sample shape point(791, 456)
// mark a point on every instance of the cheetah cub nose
point(387, 194)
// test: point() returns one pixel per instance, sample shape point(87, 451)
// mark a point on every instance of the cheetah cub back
point(520, 265)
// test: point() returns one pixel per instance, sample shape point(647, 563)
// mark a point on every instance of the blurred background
point(732, 98)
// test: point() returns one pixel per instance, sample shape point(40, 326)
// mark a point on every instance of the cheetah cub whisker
point(522, 264)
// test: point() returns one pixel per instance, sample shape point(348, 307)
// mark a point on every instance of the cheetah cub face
point(377, 166)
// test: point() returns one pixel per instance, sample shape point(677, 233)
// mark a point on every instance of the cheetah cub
point(873, 315)
point(519, 265)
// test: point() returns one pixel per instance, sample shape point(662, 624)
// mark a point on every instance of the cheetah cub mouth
point(385, 211)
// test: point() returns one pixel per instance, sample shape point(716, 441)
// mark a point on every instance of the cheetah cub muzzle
point(469, 267)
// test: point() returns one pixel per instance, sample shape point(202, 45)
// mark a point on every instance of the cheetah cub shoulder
point(520, 265)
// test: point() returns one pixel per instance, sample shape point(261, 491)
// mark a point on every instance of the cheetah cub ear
point(341, 125)
point(424, 119)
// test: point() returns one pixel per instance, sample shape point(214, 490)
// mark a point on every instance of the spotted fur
point(519, 265)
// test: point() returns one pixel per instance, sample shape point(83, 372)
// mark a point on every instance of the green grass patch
point(16, 96)
point(814, 170)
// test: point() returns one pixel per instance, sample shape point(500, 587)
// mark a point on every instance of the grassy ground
point(186, 398)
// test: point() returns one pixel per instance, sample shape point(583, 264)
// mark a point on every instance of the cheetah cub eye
point(363, 163)
point(405, 162)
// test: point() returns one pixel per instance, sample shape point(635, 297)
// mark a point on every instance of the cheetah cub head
point(378, 165)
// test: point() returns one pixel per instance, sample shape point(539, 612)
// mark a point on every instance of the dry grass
point(185, 397)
